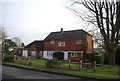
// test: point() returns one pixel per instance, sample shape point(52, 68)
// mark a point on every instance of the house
point(34, 49)
point(10, 49)
point(72, 43)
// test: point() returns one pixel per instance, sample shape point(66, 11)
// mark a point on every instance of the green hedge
point(58, 55)
point(9, 58)
point(51, 63)
point(99, 58)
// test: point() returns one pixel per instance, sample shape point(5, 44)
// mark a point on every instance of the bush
point(51, 63)
point(9, 58)
point(58, 55)
point(99, 58)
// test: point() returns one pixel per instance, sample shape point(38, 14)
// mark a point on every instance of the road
point(18, 73)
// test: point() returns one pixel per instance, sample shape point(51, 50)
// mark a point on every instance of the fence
point(61, 64)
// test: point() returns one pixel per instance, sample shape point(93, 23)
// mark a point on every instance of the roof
point(39, 45)
point(67, 35)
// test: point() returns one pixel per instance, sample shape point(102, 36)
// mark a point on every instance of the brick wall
point(90, 43)
point(70, 45)
point(75, 59)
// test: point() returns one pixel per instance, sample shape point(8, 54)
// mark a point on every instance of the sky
point(32, 20)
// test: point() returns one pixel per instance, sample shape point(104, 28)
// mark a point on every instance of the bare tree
point(105, 15)
point(17, 41)
point(3, 34)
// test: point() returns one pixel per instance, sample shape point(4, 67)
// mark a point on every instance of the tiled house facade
point(71, 43)
point(34, 49)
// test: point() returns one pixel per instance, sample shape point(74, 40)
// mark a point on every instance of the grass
point(113, 69)
point(101, 73)
point(108, 69)
point(34, 61)
point(66, 65)
point(42, 62)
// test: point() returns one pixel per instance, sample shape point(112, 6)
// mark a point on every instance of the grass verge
point(88, 73)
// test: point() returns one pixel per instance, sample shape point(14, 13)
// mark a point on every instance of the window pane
point(74, 54)
point(78, 41)
point(61, 43)
point(52, 42)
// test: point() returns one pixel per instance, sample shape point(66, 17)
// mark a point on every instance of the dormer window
point(52, 42)
point(61, 43)
point(78, 41)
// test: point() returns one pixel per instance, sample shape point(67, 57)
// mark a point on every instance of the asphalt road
point(18, 73)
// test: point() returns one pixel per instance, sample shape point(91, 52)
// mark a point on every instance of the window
point(49, 53)
point(78, 41)
point(40, 53)
point(52, 42)
point(33, 53)
point(74, 54)
point(61, 43)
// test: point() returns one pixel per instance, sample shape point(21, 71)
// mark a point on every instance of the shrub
point(51, 63)
point(99, 58)
point(58, 55)
point(9, 58)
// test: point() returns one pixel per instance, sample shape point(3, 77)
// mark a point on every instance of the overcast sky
point(34, 19)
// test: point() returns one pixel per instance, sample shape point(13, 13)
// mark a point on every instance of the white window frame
point(74, 54)
point(49, 53)
point(78, 41)
point(40, 53)
point(61, 44)
point(52, 42)
point(33, 52)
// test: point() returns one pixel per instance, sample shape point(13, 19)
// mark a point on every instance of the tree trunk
point(111, 56)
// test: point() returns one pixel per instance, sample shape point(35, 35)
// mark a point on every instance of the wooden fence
point(82, 65)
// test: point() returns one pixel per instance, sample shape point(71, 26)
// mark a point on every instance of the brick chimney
point(61, 29)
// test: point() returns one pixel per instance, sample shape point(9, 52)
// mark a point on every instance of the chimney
point(61, 29)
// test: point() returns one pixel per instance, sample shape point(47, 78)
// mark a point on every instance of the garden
point(99, 71)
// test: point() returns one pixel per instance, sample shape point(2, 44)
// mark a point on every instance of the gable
point(33, 48)
point(38, 45)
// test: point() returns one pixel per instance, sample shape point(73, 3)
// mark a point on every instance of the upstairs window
point(61, 43)
point(52, 42)
point(74, 54)
point(78, 41)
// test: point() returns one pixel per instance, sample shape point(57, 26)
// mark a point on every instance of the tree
point(17, 41)
point(3, 34)
point(6, 44)
point(105, 15)
point(22, 45)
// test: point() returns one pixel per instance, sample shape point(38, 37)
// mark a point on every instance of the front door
point(65, 55)
point(25, 53)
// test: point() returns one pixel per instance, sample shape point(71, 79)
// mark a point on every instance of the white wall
point(65, 55)
point(25, 53)
point(48, 54)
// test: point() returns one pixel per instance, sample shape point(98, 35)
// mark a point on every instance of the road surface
point(18, 73)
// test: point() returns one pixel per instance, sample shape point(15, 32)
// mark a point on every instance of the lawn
point(42, 63)
point(102, 72)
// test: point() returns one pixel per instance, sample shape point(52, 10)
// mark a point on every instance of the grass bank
point(101, 73)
